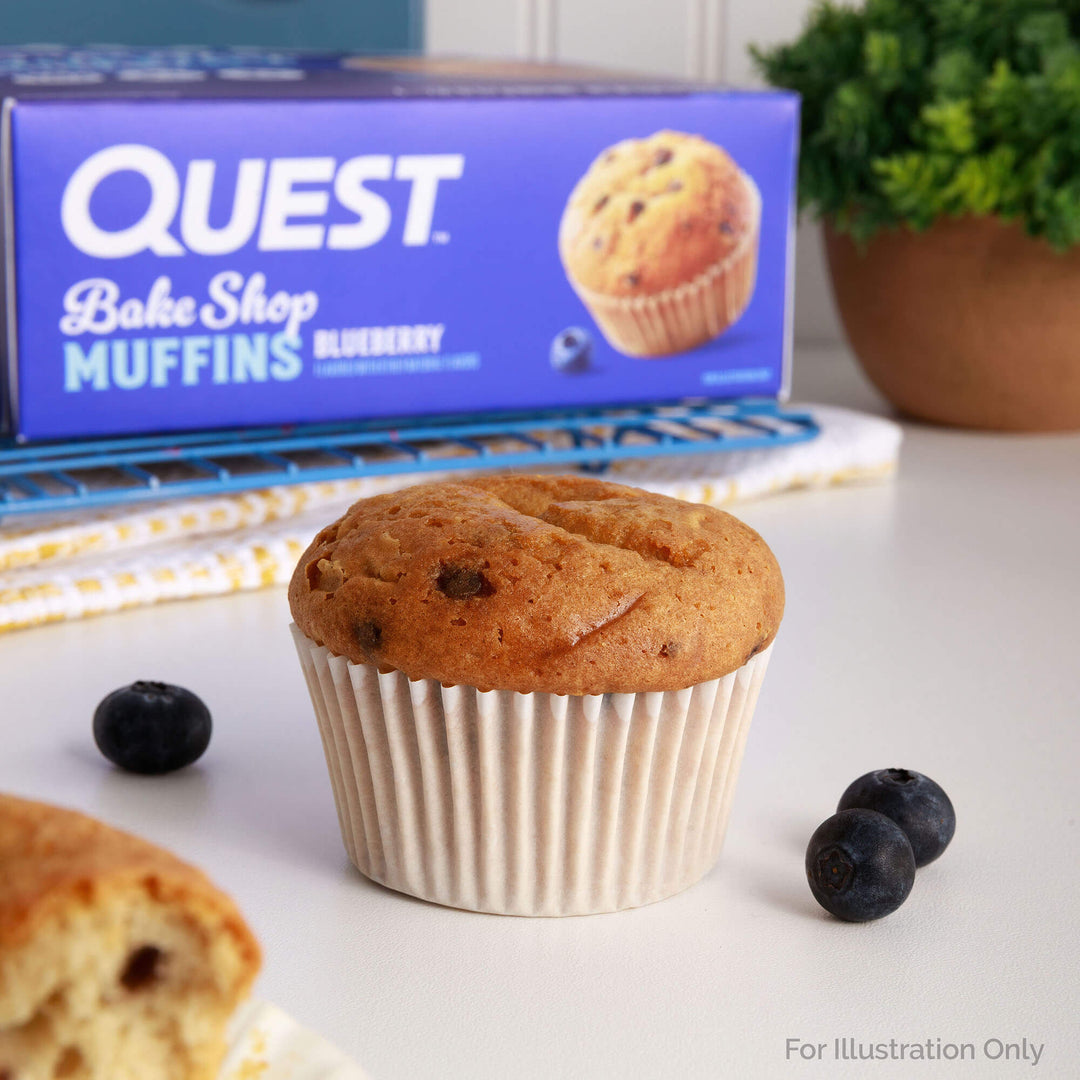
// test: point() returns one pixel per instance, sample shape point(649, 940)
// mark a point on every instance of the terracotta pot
point(971, 323)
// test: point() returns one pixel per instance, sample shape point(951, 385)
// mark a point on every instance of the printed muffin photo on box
point(659, 239)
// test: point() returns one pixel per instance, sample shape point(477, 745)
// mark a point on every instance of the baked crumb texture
point(553, 584)
point(117, 961)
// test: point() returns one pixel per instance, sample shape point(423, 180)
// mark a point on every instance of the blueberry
point(152, 727)
point(913, 801)
point(571, 350)
point(860, 865)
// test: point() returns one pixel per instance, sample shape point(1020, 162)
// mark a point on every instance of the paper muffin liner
point(684, 317)
point(529, 804)
point(265, 1043)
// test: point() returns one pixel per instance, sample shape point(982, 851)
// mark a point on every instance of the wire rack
point(100, 472)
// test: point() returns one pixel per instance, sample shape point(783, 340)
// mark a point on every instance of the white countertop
point(931, 624)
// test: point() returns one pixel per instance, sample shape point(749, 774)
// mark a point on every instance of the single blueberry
point(918, 805)
point(152, 727)
point(860, 865)
point(571, 350)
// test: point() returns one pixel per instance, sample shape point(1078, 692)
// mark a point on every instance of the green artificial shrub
point(914, 109)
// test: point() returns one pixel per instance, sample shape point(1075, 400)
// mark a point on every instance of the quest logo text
point(266, 201)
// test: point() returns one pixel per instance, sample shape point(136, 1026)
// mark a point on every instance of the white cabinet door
point(661, 37)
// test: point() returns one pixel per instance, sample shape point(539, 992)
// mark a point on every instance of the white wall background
point(700, 39)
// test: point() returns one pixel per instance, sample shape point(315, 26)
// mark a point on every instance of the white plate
point(267, 1044)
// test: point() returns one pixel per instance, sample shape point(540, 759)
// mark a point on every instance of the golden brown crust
point(556, 584)
point(653, 214)
point(52, 860)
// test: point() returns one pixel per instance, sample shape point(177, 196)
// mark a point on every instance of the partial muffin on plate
point(117, 960)
point(534, 691)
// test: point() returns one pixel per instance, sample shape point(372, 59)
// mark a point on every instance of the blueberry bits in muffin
point(369, 635)
point(636, 208)
point(662, 156)
point(756, 649)
point(142, 968)
point(463, 583)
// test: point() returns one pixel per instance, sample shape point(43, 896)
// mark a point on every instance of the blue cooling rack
point(69, 475)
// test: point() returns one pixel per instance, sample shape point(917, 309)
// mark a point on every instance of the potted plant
point(941, 145)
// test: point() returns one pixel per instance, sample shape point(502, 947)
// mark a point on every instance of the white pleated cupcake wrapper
point(689, 315)
point(529, 804)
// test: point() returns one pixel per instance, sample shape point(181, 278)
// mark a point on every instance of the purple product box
point(201, 239)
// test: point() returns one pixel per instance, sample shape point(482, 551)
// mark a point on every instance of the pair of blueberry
point(861, 862)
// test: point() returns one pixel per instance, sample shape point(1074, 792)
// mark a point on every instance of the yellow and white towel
point(69, 566)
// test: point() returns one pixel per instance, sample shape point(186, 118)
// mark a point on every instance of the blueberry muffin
point(533, 691)
point(660, 239)
point(117, 961)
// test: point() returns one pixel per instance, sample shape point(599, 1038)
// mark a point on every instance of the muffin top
point(652, 214)
point(554, 584)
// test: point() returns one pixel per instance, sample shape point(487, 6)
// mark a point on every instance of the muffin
point(533, 691)
point(117, 961)
point(659, 239)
